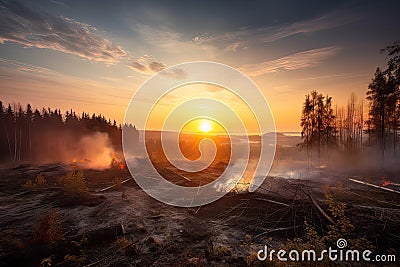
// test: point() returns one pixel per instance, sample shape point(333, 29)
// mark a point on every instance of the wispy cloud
point(233, 47)
point(147, 65)
point(328, 21)
point(338, 76)
point(22, 25)
point(305, 59)
point(175, 44)
point(235, 39)
point(27, 82)
point(161, 37)
point(24, 66)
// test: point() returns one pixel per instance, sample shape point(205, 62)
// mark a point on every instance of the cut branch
point(373, 185)
point(272, 201)
point(114, 185)
point(314, 201)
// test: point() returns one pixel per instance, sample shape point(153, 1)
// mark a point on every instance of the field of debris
point(55, 215)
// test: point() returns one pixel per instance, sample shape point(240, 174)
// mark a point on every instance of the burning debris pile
point(117, 162)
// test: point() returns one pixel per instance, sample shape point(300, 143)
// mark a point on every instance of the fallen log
point(374, 199)
point(114, 185)
point(377, 208)
point(375, 186)
point(315, 203)
point(273, 201)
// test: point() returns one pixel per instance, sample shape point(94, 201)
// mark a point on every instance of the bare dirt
point(126, 227)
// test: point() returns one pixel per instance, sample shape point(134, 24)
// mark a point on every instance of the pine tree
point(317, 122)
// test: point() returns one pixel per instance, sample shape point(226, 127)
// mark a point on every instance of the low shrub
point(73, 182)
point(47, 228)
point(38, 182)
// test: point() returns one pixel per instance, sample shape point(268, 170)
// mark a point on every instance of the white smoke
point(91, 151)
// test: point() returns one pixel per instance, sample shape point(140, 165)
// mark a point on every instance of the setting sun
point(205, 126)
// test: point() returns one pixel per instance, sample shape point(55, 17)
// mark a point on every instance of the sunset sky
point(93, 55)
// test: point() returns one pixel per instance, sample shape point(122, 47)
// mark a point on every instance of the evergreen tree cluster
point(344, 129)
point(28, 135)
point(317, 122)
point(384, 97)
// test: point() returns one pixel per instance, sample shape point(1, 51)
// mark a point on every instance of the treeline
point(345, 128)
point(28, 135)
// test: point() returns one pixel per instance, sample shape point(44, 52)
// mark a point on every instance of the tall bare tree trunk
point(15, 142)
point(382, 135)
point(9, 144)
point(30, 140)
point(20, 144)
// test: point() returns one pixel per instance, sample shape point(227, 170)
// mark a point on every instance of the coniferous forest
point(360, 126)
point(28, 135)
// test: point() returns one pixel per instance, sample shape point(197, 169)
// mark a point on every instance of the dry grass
point(73, 182)
point(47, 228)
point(38, 182)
